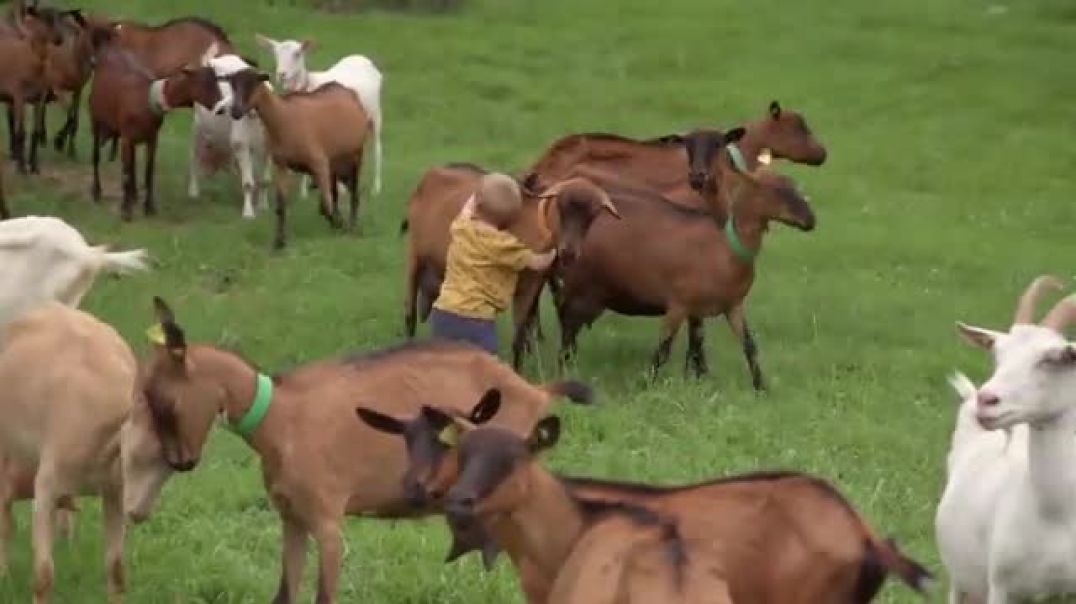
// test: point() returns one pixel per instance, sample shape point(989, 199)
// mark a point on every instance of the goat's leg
point(351, 181)
point(38, 138)
point(292, 562)
point(194, 169)
point(7, 522)
point(573, 314)
point(696, 351)
point(280, 180)
point(18, 133)
point(150, 207)
point(524, 313)
point(76, 103)
point(246, 177)
point(61, 134)
point(11, 129)
point(738, 323)
point(411, 272)
point(130, 186)
point(112, 512)
point(267, 178)
point(670, 326)
point(44, 508)
point(112, 152)
point(330, 558)
point(95, 154)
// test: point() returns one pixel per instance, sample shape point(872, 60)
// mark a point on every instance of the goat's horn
point(1025, 309)
point(1063, 313)
point(607, 202)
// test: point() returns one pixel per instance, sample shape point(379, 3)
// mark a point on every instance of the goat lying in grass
point(318, 462)
point(353, 71)
point(776, 538)
point(69, 383)
point(1006, 523)
point(321, 133)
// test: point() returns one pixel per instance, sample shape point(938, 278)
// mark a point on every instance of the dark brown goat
point(665, 259)
point(659, 163)
point(318, 462)
point(780, 537)
point(68, 67)
point(437, 200)
point(169, 47)
point(126, 101)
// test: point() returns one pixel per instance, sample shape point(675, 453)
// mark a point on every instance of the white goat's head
point(1034, 379)
point(290, 56)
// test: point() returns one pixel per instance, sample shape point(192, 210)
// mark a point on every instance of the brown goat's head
point(200, 83)
point(568, 208)
point(787, 135)
point(495, 470)
point(430, 440)
point(246, 85)
point(702, 147)
point(765, 194)
point(47, 24)
point(182, 402)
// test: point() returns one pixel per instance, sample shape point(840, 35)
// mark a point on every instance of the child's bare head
point(498, 199)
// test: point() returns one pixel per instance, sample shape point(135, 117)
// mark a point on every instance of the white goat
point(217, 141)
point(69, 386)
point(353, 71)
point(1006, 523)
point(43, 258)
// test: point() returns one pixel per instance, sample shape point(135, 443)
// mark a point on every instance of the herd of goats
point(666, 227)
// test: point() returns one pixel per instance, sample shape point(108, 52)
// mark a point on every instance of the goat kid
point(1006, 521)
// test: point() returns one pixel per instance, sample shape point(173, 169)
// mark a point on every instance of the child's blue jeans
point(450, 326)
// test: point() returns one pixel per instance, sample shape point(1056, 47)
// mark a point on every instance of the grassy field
point(948, 187)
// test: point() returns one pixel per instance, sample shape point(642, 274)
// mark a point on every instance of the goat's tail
point(122, 262)
point(577, 392)
point(404, 225)
point(915, 575)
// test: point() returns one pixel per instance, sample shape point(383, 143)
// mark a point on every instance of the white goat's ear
point(307, 44)
point(265, 42)
point(983, 338)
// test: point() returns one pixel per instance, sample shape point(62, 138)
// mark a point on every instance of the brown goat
point(5, 212)
point(171, 46)
point(658, 163)
point(780, 537)
point(68, 67)
point(665, 259)
point(22, 83)
point(318, 462)
point(126, 101)
point(17, 483)
point(321, 133)
point(437, 200)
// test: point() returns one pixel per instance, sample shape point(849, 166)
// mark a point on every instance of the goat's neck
point(270, 109)
point(742, 218)
point(1051, 453)
point(238, 380)
point(545, 528)
point(751, 144)
point(173, 96)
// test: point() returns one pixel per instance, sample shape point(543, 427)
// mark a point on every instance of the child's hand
point(468, 207)
point(540, 262)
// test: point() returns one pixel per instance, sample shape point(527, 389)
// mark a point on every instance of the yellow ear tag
point(766, 157)
point(155, 334)
point(448, 436)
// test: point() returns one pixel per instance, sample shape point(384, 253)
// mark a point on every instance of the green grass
point(948, 187)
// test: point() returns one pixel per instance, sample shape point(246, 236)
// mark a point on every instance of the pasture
point(948, 186)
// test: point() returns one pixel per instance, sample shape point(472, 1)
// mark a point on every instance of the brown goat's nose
point(987, 399)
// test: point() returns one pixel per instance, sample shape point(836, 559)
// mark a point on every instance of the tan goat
point(69, 383)
point(321, 132)
point(318, 462)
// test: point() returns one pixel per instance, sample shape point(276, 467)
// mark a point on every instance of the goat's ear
point(487, 407)
point(530, 182)
point(263, 77)
point(546, 433)
point(76, 16)
point(249, 61)
point(775, 109)
point(380, 421)
point(174, 340)
point(983, 338)
point(735, 134)
point(265, 42)
point(307, 44)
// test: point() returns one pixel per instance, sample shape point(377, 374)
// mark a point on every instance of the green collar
point(263, 395)
point(157, 103)
point(736, 156)
point(740, 250)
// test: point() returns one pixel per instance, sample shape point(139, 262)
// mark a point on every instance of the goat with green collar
point(684, 264)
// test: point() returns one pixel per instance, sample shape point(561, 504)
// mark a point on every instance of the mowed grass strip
point(948, 187)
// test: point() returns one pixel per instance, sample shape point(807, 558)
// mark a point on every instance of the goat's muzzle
point(182, 465)
point(461, 508)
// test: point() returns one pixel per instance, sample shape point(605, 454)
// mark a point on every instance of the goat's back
point(68, 380)
point(330, 119)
